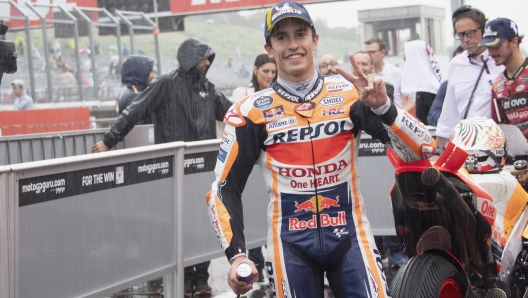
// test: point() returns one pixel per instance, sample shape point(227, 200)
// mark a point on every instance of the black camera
point(8, 54)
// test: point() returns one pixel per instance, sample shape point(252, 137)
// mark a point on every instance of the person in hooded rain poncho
point(420, 76)
point(137, 73)
point(184, 106)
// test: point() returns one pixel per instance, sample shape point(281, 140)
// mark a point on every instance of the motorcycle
point(465, 234)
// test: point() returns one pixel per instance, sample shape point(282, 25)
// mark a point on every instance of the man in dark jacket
point(184, 105)
point(136, 74)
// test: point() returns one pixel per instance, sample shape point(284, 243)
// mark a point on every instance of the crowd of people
point(281, 122)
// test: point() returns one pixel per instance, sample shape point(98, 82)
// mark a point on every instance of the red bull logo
point(326, 203)
point(274, 114)
point(310, 205)
point(326, 221)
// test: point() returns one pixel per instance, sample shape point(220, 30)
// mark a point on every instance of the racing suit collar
point(518, 72)
point(287, 95)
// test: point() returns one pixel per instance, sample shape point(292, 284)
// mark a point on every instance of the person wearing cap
point(304, 132)
point(509, 93)
point(468, 91)
point(22, 100)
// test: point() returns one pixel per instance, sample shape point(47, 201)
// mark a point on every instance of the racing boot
point(188, 287)
point(202, 288)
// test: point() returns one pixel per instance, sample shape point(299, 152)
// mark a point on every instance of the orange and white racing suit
point(307, 150)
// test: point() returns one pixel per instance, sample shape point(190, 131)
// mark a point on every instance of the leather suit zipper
point(317, 211)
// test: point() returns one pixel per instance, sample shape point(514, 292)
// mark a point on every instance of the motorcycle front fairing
point(417, 207)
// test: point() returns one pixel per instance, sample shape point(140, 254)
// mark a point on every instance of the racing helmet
point(483, 140)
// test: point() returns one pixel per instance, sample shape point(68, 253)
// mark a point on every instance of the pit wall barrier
point(43, 120)
point(94, 224)
point(42, 146)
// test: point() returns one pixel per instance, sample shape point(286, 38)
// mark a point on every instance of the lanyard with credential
point(484, 66)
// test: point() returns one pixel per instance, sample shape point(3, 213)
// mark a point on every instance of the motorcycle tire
point(428, 276)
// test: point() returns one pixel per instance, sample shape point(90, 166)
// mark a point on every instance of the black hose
point(434, 179)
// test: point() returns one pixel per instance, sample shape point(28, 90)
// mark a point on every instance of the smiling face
point(265, 74)
point(503, 53)
point(328, 65)
point(293, 46)
point(365, 63)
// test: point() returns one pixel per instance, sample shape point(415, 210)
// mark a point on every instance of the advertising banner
point(201, 6)
point(67, 184)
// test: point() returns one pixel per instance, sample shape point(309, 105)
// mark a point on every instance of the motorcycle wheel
point(428, 276)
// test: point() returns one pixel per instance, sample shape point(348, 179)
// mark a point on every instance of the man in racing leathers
point(304, 133)
point(509, 94)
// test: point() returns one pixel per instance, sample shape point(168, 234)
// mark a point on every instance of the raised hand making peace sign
point(371, 89)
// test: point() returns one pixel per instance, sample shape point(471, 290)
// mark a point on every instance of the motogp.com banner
point(201, 6)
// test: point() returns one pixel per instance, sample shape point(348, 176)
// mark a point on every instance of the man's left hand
point(371, 89)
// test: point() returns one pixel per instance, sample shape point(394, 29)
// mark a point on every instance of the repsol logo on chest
point(320, 130)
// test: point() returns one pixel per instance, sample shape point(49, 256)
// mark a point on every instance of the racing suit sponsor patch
point(321, 130)
point(331, 100)
point(273, 114)
point(333, 112)
point(281, 123)
point(232, 117)
point(305, 106)
point(222, 154)
point(339, 87)
point(263, 102)
point(227, 141)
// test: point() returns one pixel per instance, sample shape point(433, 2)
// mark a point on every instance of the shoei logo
point(331, 101)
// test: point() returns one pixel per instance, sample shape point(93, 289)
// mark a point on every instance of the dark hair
point(458, 49)
point(519, 39)
point(259, 61)
point(466, 11)
point(362, 52)
point(268, 41)
point(379, 41)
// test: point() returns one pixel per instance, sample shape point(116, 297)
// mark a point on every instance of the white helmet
point(483, 140)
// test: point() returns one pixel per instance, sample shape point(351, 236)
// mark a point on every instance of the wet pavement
point(220, 288)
